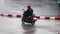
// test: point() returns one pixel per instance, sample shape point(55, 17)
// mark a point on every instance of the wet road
point(41, 7)
point(13, 26)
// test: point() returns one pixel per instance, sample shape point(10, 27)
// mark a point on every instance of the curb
point(38, 17)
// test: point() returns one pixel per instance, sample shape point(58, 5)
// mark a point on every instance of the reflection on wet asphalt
point(29, 29)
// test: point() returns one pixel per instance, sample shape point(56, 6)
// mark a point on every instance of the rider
point(29, 11)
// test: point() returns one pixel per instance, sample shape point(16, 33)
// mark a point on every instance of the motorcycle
point(29, 19)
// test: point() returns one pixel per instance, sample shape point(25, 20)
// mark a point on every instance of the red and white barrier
point(10, 15)
point(1, 14)
point(18, 16)
point(36, 16)
point(47, 17)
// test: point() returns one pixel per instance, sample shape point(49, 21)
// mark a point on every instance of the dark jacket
point(29, 11)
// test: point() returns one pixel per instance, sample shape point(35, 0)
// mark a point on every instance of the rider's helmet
point(28, 6)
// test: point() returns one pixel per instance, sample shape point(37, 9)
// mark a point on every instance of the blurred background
point(40, 7)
